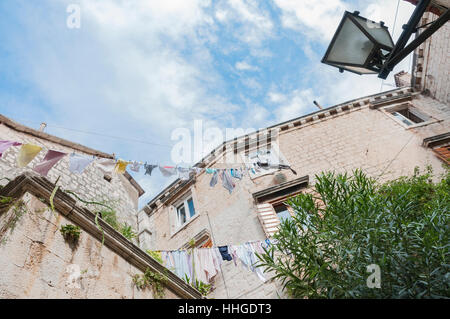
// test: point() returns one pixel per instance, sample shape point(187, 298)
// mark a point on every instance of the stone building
point(386, 135)
point(121, 192)
point(38, 261)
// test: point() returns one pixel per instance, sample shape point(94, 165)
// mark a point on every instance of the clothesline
point(267, 241)
point(78, 163)
point(205, 263)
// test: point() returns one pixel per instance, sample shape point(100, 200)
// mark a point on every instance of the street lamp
point(363, 46)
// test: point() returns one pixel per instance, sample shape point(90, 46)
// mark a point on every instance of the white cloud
point(316, 19)
point(292, 105)
point(244, 66)
point(247, 21)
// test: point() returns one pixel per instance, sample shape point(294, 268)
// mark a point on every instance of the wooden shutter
point(268, 218)
point(443, 153)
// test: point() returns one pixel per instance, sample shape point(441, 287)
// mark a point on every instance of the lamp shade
point(359, 45)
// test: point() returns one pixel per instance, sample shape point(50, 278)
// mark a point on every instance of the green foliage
point(70, 232)
point(402, 226)
point(5, 200)
point(110, 217)
point(19, 209)
point(152, 280)
point(155, 255)
point(127, 231)
point(203, 288)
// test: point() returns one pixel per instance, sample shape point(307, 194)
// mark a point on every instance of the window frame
point(288, 208)
point(273, 148)
point(184, 203)
point(400, 118)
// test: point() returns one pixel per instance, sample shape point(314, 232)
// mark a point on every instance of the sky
point(137, 70)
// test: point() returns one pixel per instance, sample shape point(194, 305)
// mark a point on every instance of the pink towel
point(50, 160)
point(4, 145)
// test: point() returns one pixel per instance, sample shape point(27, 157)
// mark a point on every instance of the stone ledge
point(67, 206)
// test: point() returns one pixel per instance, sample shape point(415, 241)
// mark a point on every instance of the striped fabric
point(268, 218)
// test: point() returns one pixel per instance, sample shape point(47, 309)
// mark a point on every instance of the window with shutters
point(271, 207)
point(443, 152)
point(283, 211)
point(440, 144)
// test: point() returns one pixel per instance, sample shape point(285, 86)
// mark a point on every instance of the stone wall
point(90, 186)
point(432, 70)
point(37, 262)
point(358, 136)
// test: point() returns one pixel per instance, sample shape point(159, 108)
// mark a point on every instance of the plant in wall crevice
point(71, 234)
point(153, 280)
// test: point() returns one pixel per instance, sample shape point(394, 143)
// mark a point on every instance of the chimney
point(42, 127)
point(318, 105)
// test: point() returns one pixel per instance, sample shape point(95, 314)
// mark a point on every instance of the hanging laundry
point(254, 259)
point(197, 170)
point(135, 166)
point(237, 173)
point(181, 264)
point(78, 163)
point(106, 165)
point(233, 253)
point(214, 179)
point(210, 170)
point(168, 171)
point(184, 173)
point(149, 169)
point(217, 258)
point(227, 182)
point(199, 270)
point(50, 160)
point(4, 145)
point(121, 166)
point(224, 253)
point(27, 153)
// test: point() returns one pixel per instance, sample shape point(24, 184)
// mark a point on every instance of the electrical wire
point(98, 134)
point(393, 33)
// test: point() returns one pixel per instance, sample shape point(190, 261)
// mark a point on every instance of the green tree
point(351, 222)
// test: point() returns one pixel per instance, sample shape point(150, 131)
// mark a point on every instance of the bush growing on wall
point(352, 222)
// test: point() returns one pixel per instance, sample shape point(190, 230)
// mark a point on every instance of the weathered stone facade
point(36, 261)
point(360, 134)
point(121, 192)
point(431, 72)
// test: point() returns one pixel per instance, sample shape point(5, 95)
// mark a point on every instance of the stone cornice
point(371, 101)
point(84, 218)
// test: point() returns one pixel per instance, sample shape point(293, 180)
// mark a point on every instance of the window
point(201, 240)
point(443, 152)
point(185, 211)
point(408, 115)
point(264, 160)
point(282, 211)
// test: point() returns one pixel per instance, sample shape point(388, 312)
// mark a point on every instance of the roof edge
point(386, 95)
point(54, 139)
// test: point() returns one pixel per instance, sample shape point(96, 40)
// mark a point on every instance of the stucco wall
point(36, 261)
point(90, 185)
point(360, 138)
